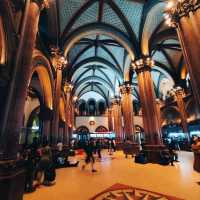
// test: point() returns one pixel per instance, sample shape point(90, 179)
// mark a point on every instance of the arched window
point(82, 108)
point(101, 129)
point(101, 107)
point(82, 130)
point(92, 107)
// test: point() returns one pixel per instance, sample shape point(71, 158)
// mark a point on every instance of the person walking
point(89, 151)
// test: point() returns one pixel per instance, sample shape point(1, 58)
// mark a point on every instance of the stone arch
point(2, 43)
point(170, 114)
point(42, 67)
point(83, 107)
point(92, 108)
point(103, 29)
point(35, 113)
point(82, 129)
point(101, 129)
point(101, 104)
point(191, 109)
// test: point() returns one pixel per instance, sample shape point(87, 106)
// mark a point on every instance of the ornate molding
point(175, 11)
point(116, 100)
point(42, 3)
point(67, 87)
point(126, 88)
point(143, 64)
point(58, 60)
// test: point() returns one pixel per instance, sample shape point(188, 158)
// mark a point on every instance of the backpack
point(141, 158)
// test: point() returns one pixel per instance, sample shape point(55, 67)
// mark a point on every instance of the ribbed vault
point(100, 38)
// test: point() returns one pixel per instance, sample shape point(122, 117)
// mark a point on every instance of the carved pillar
point(117, 114)
point(58, 62)
point(12, 174)
point(73, 109)
point(127, 110)
point(185, 17)
point(148, 101)
point(110, 119)
point(158, 108)
point(67, 90)
point(179, 94)
point(19, 83)
point(46, 117)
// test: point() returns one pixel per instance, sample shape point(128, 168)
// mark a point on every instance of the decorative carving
point(58, 60)
point(126, 88)
point(142, 64)
point(68, 87)
point(175, 10)
point(42, 3)
point(116, 100)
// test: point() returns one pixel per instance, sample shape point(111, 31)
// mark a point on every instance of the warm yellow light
point(75, 98)
point(170, 5)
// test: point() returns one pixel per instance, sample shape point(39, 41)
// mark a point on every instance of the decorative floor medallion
point(124, 192)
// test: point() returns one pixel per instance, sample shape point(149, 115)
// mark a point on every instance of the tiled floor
point(74, 184)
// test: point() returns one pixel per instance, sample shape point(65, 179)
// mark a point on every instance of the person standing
point(98, 148)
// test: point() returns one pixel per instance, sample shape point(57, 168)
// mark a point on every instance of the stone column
point(148, 101)
point(46, 117)
point(158, 107)
point(127, 110)
point(110, 119)
point(185, 17)
point(73, 109)
point(151, 120)
point(12, 174)
point(58, 62)
point(117, 114)
point(67, 90)
point(20, 76)
point(179, 95)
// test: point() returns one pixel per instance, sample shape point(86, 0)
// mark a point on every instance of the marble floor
point(74, 184)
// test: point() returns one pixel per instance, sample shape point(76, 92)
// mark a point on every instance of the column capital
point(178, 9)
point(67, 87)
point(142, 64)
point(177, 92)
point(74, 100)
point(116, 100)
point(125, 88)
point(42, 3)
point(58, 60)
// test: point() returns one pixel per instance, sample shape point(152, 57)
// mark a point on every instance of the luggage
point(141, 158)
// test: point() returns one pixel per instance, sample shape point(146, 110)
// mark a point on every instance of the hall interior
point(79, 73)
point(73, 183)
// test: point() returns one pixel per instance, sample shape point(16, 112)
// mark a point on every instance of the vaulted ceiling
point(101, 37)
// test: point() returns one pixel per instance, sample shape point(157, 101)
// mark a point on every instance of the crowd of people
point(40, 168)
point(41, 160)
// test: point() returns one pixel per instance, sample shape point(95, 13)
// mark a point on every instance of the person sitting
point(196, 143)
point(173, 154)
point(60, 146)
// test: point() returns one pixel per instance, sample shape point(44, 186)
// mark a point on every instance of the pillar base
point(12, 179)
point(196, 164)
point(153, 152)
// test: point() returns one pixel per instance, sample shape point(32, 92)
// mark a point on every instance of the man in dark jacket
point(89, 150)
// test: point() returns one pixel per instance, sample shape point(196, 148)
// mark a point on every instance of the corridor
point(74, 184)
